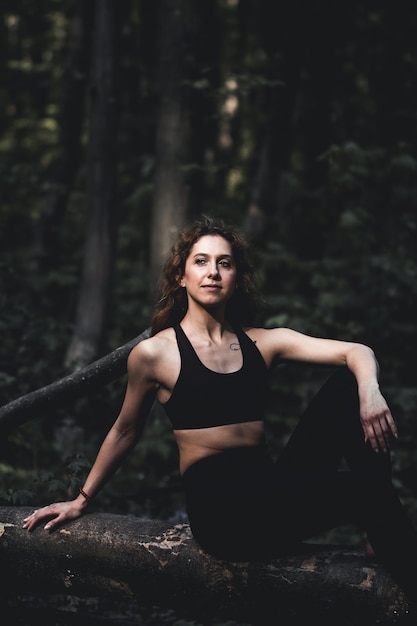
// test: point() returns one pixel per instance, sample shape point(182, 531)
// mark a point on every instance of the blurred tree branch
point(76, 384)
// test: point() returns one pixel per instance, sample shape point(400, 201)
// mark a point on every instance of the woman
point(208, 366)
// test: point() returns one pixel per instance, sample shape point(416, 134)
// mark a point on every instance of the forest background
point(295, 121)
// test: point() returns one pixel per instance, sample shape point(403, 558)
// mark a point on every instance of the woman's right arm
point(120, 440)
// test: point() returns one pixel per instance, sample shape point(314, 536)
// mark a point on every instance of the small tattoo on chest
point(236, 346)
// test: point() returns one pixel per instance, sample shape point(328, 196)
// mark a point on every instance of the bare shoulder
point(156, 359)
point(149, 352)
point(276, 342)
point(274, 335)
point(261, 330)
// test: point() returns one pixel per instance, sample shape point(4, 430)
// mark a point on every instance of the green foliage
point(337, 258)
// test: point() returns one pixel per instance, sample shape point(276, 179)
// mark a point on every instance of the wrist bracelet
point(86, 496)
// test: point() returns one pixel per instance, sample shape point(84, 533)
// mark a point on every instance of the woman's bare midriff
point(197, 443)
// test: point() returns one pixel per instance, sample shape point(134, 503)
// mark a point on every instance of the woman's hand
point(55, 514)
point(377, 421)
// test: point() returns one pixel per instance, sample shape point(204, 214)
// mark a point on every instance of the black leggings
point(243, 506)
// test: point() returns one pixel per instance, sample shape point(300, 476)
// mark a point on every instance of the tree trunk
point(309, 225)
point(283, 39)
point(169, 201)
point(64, 168)
point(99, 252)
point(158, 563)
point(82, 382)
point(202, 50)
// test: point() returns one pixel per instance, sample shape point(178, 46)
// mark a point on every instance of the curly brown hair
point(244, 305)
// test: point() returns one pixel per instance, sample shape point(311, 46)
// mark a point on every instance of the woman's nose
point(213, 270)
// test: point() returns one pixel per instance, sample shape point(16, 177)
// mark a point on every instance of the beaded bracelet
point(83, 493)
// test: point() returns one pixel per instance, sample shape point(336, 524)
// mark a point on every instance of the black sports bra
point(203, 398)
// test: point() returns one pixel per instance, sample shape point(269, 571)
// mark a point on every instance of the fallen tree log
point(154, 562)
point(78, 383)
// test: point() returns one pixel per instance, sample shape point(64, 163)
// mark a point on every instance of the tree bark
point(99, 255)
point(81, 382)
point(154, 562)
point(169, 201)
point(202, 52)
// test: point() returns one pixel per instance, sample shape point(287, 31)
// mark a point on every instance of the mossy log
point(154, 562)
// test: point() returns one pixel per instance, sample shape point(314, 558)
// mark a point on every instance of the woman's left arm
point(377, 421)
point(287, 344)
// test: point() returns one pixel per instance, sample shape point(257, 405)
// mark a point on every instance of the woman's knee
point(343, 378)
point(340, 391)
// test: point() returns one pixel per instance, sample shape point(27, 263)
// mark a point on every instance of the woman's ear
point(181, 281)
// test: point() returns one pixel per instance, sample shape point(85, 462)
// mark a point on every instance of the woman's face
point(210, 271)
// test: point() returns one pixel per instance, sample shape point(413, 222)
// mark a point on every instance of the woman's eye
point(221, 262)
